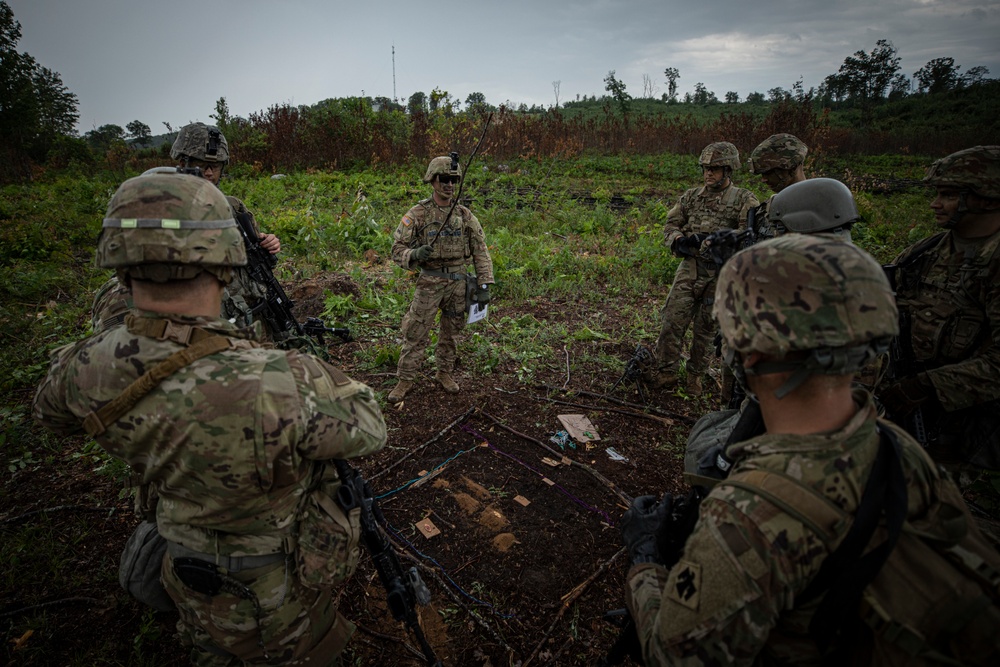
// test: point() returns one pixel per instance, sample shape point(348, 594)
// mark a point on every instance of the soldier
point(441, 249)
point(943, 383)
point(718, 204)
point(813, 206)
point(799, 315)
point(779, 160)
point(233, 436)
point(205, 147)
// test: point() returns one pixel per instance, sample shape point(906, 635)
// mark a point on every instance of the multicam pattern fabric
point(440, 165)
point(802, 292)
point(689, 302)
point(778, 151)
point(192, 142)
point(977, 169)
point(950, 294)
point(231, 442)
point(244, 292)
point(731, 599)
point(459, 242)
point(111, 304)
point(720, 154)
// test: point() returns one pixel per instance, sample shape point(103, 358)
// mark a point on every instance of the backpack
point(927, 593)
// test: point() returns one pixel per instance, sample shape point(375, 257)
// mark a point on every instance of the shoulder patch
point(684, 586)
point(407, 220)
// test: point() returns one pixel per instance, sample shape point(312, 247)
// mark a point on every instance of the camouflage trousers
point(688, 303)
point(432, 294)
point(298, 625)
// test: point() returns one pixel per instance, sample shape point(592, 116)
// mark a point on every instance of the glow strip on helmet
point(167, 223)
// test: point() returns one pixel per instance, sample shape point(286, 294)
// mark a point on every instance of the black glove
point(687, 246)
point(640, 525)
point(421, 253)
point(483, 295)
point(714, 463)
point(904, 396)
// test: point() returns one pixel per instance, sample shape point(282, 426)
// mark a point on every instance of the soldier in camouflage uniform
point(441, 250)
point(205, 147)
point(799, 315)
point(718, 204)
point(779, 160)
point(233, 435)
point(946, 386)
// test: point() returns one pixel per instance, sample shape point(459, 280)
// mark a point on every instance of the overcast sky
point(170, 60)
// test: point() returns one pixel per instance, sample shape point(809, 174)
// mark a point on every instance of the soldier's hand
point(640, 525)
point(270, 243)
point(483, 295)
point(422, 253)
point(903, 397)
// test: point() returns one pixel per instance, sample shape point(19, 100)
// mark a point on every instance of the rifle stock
point(404, 589)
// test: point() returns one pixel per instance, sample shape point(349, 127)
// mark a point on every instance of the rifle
point(723, 244)
point(903, 362)
point(670, 539)
point(403, 589)
point(641, 360)
point(276, 308)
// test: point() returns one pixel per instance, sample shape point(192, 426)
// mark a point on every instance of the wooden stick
point(684, 418)
point(59, 508)
point(51, 603)
point(437, 437)
point(569, 599)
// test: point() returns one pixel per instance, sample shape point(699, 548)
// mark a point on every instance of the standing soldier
point(943, 380)
point(234, 437)
point(779, 160)
point(441, 249)
point(205, 147)
point(773, 571)
point(718, 204)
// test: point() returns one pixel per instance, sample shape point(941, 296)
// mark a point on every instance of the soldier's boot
point(400, 390)
point(662, 378)
point(447, 382)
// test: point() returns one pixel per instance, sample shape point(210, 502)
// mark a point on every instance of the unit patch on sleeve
point(685, 586)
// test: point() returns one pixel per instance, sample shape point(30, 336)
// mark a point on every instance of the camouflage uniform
point(779, 151)
point(231, 441)
point(689, 302)
point(111, 304)
point(808, 305)
point(731, 599)
point(459, 242)
point(244, 292)
point(948, 290)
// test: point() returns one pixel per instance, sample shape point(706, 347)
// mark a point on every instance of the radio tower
point(394, 74)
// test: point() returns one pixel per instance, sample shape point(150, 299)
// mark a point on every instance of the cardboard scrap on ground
point(550, 462)
point(522, 500)
point(579, 427)
point(427, 527)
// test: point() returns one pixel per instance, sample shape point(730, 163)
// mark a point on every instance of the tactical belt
point(231, 563)
point(458, 273)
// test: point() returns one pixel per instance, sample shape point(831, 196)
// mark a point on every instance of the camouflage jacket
point(229, 441)
point(731, 599)
point(952, 302)
point(699, 211)
point(462, 240)
point(244, 292)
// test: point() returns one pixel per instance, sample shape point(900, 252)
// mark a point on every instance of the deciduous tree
point(672, 74)
point(937, 76)
point(139, 133)
point(617, 89)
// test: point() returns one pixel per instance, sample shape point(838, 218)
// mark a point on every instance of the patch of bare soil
point(527, 557)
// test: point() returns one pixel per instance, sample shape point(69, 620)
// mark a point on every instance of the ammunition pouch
point(329, 540)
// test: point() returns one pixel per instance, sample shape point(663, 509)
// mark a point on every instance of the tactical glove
point(640, 525)
point(903, 397)
point(483, 295)
point(687, 246)
point(421, 253)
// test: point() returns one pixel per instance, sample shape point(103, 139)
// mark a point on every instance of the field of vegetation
point(581, 273)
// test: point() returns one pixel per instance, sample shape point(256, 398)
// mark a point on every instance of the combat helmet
point(165, 227)
point(813, 206)
point(443, 165)
point(198, 141)
point(816, 295)
point(720, 154)
point(778, 151)
point(976, 170)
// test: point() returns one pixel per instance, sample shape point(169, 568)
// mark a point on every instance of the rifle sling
point(199, 343)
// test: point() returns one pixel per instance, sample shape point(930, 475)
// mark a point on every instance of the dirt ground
point(527, 557)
